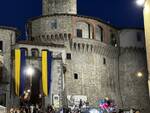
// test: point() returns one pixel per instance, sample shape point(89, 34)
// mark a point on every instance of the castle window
point(139, 37)
point(104, 60)
point(75, 76)
point(35, 53)
point(99, 33)
point(54, 24)
point(79, 33)
point(68, 55)
point(84, 30)
point(3, 99)
point(1, 46)
point(32, 38)
point(113, 40)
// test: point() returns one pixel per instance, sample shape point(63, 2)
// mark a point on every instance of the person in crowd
point(31, 108)
point(137, 112)
point(50, 109)
point(26, 109)
point(11, 110)
point(80, 104)
point(120, 111)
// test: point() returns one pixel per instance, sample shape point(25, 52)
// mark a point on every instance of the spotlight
point(29, 70)
point(140, 2)
point(139, 74)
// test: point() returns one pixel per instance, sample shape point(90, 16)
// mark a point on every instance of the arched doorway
point(36, 88)
point(33, 92)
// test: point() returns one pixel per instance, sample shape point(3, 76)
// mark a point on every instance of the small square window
point(3, 99)
point(75, 76)
point(54, 24)
point(68, 56)
point(139, 37)
point(79, 33)
point(32, 38)
point(1, 46)
point(104, 60)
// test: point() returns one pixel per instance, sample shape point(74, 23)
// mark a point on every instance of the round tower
point(59, 7)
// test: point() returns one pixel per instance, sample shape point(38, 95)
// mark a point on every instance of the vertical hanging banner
point(46, 71)
point(20, 62)
point(17, 70)
point(22, 71)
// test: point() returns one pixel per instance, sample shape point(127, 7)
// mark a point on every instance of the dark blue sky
point(121, 13)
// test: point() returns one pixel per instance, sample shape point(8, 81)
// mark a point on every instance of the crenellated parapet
point(77, 44)
point(59, 38)
point(93, 46)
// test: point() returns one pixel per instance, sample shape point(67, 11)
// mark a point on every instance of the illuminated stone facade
point(90, 58)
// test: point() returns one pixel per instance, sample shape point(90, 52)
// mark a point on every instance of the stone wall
point(59, 6)
point(8, 37)
point(96, 79)
point(132, 38)
point(51, 26)
point(134, 89)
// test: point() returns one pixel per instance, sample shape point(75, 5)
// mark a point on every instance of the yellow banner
point(44, 73)
point(17, 70)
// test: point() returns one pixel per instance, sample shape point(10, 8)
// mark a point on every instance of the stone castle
point(91, 58)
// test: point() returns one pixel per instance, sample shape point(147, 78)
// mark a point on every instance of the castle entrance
point(36, 92)
point(33, 90)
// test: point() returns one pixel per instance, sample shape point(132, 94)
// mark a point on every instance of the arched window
point(99, 33)
point(84, 30)
point(35, 53)
point(113, 39)
point(26, 50)
point(1, 46)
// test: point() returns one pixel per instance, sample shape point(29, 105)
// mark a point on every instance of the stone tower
point(59, 7)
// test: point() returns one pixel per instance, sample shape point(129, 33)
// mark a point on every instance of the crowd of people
point(25, 109)
point(49, 109)
point(32, 109)
point(82, 107)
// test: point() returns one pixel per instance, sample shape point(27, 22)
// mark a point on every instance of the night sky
point(121, 13)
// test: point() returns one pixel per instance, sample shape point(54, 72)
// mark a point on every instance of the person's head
point(120, 111)
point(137, 112)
